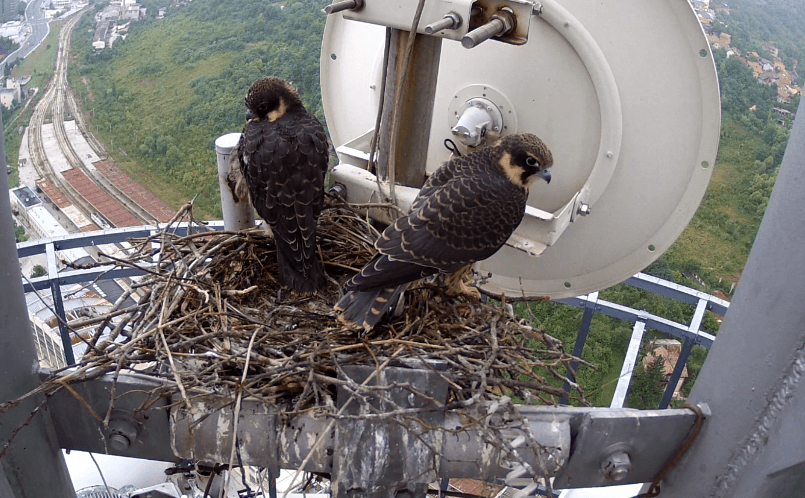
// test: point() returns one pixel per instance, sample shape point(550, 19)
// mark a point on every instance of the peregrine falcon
point(283, 155)
point(464, 213)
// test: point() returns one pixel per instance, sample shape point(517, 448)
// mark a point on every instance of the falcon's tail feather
point(301, 277)
point(366, 308)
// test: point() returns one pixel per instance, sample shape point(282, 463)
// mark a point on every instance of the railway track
point(39, 158)
point(53, 103)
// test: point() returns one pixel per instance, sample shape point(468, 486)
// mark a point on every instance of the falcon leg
point(460, 284)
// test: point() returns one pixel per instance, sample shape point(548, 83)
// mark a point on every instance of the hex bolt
point(499, 24)
point(616, 466)
point(343, 5)
point(449, 21)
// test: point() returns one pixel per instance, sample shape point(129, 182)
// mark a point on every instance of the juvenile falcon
point(283, 155)
point(464, 213)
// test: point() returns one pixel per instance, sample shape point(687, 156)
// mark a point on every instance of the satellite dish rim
point(698, 111)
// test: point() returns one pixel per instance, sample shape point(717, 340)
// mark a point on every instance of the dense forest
point(159, 98)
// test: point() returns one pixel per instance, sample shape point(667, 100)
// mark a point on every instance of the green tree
point(38, 271)
point(646, 388)
point(19, 233)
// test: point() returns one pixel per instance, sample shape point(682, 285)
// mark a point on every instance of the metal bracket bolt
point(584, 209)
point(500, 23)
point(343, 5)
point(616, 466)
point(122, 433)
point(450, 21)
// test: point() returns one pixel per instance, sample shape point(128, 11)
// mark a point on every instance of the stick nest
point(212, 319)
point(212, 303)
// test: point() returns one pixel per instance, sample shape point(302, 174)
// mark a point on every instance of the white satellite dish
point(624, 93)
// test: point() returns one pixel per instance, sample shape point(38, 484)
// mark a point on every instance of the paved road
point(35, 18)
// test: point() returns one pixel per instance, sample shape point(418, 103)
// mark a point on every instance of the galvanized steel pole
point(752, 446)
point(33, 464)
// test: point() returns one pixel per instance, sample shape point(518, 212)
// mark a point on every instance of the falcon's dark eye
point(532, 161)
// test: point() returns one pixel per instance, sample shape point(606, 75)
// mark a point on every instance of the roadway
point(35, 18)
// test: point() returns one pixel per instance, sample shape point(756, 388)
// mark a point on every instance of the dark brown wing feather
point(466, 214)
point(434, 182)
point(284, 163)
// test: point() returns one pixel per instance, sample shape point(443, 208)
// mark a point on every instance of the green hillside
point(160, 97)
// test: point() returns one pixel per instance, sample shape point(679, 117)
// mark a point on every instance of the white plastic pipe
point(237, 215)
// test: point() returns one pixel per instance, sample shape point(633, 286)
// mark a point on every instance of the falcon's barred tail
point(302, 277)
point(366, 308)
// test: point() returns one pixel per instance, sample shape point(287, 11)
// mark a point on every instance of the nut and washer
point(584, 209)
point(122, 433)
point(616, 466)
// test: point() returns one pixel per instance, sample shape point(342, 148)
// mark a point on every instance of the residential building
point(14, 30)
point(668, 350)
point(767, 79)
point(110, 13)
point(783, 80)
point(784, 95)
point(784, 113)
point(101, 35)
point(8, 10)
point(132, 10)
point(756, 68)
point(7, 97)
point(20, 87)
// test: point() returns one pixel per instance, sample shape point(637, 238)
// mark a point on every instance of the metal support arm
point(141, 427)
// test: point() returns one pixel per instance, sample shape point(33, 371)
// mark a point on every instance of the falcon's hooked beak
point(545, 175)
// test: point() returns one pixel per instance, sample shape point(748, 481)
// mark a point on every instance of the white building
point(7, 97)
point(20, 87)
point(101, 35)
point(14, 30)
